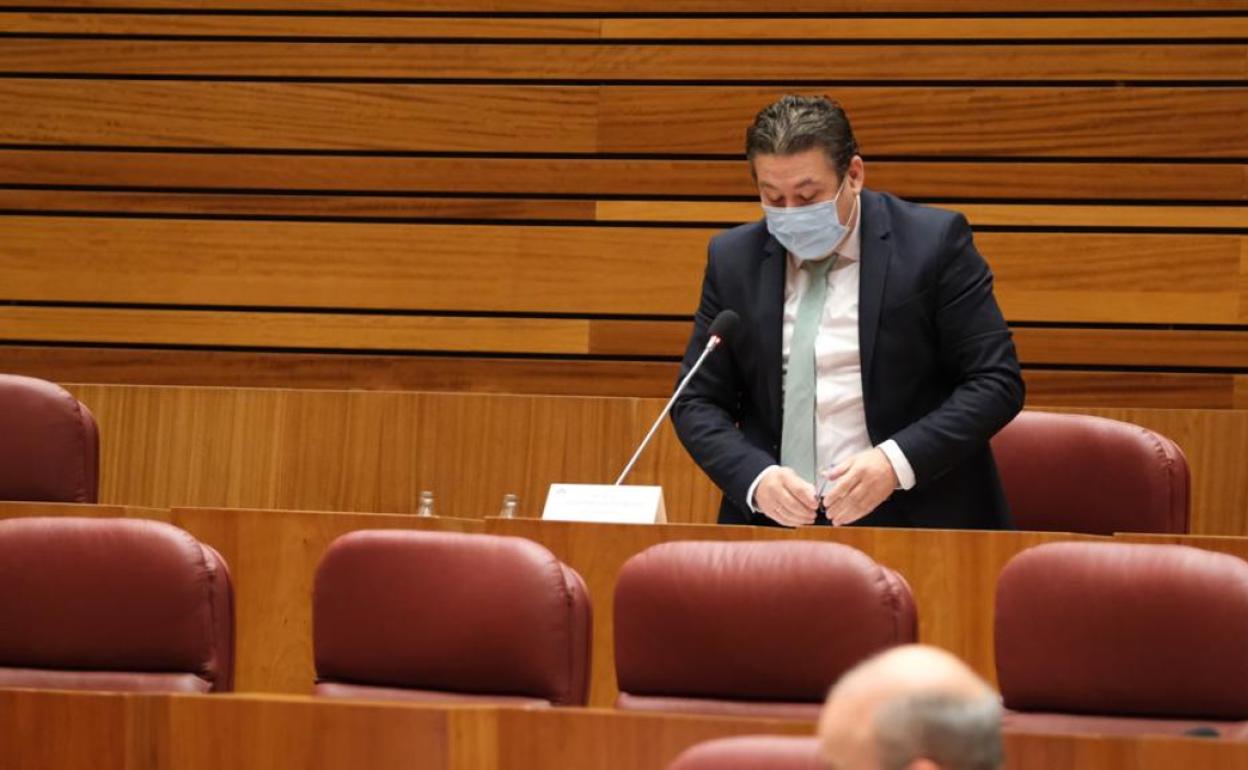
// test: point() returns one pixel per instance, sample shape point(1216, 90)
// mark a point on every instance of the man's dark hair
point(797, 123)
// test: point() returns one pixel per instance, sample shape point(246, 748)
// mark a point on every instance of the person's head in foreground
point(911, 708)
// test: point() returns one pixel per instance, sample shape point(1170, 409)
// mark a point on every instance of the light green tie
point(797, 446)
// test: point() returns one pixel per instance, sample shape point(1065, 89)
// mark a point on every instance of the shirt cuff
point(901, 466)
point(749, 494)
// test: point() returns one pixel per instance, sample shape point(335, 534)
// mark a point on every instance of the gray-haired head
point(796, 124)
point(954, 732)
point(913, 706)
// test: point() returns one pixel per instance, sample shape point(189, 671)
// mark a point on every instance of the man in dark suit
point(872, 363)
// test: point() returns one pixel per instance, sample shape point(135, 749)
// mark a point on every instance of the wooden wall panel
point(1065, 215)
point(438, 118)
point(887, 28)
point(1188, 122)
point(528, 210)
point(922, 179)
point(1209, 61)
point(429, 267)
point(527, 336)
point(538, 178)
point(374, 451)
point(709, 7)
point(1215, 445)
point(1116, 278)
point(537, 376)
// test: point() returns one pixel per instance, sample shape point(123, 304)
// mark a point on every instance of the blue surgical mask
point(808, 232)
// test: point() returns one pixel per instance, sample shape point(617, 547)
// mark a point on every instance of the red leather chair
point(1079, 473)
point(438, 616)
point(751, 628)
point(752, 752)
point(50, 447)
point(113, 604)
point(1119, 638)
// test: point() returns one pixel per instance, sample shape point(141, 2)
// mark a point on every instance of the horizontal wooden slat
point(1108, 278)
point(221, 328)
point(808, 29)
point(926, 120)
point(1064, 215)
point(587, 176)
point(583, 377)
point(659, 212)
point(637, 339)
point(606, 62)
point(626, 28)
point(359, 206)
point(1074, 388)
point(667, 6)
point(1162, 348)
point(1043, 121)
point(429, 267)
point(295, 330)
point(901, 28)
point(1119, 278)
point(292, 115)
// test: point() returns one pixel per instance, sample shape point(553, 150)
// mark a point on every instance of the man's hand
point(786, 498)
point(858, 486)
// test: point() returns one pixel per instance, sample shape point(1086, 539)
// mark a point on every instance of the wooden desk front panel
point(374, 451)
point(195, 732)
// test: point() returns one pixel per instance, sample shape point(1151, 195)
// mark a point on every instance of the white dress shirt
point(840, 420)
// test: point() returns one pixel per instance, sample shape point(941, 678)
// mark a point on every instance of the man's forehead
point(794, 171)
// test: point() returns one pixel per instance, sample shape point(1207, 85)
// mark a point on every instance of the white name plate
point(605, 504)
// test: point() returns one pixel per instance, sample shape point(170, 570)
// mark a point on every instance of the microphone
point(1202, 731)
point(721, 327)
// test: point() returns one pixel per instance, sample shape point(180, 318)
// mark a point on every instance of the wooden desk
point(952, 573)
point(109, 731)
point(273, 556)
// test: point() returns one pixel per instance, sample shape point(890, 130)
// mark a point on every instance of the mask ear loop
point(848, 227)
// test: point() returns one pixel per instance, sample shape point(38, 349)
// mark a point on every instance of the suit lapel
point(771, 327)
point(877, 252)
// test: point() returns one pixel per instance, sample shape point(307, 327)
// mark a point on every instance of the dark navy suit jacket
point(940, 374)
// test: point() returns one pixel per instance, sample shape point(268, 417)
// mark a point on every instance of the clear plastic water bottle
point(508, 511)
point(426, 504)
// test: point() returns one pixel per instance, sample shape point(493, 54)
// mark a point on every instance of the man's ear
point(858, 171)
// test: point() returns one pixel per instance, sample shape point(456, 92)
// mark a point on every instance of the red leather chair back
point(1079, 473)
point(751, 628)
point(1152, 632)
point(752, 752)
point(447, 616)
point(113, 604)
point(49, 444)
